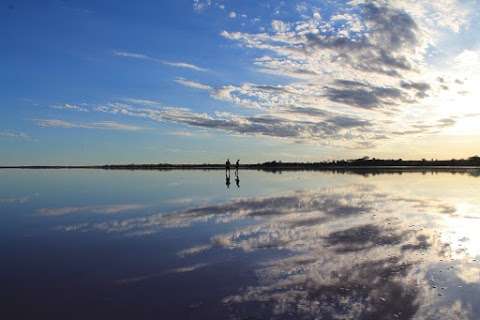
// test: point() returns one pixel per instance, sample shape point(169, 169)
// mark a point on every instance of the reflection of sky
point(319, 245)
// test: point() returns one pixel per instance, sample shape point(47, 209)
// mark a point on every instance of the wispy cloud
point(176, 64)
point(300, 124)
point(102, 125)
point(193, 84)
point(132, 55)
point(68, 106)
point(142, 102)
point(14, 135)
point(342, 128)
point(184, 65)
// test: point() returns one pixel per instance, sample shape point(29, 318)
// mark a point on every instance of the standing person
point(227, 165)
point(237, 164)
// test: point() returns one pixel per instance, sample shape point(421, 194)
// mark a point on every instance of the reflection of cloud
point(17, 200)
point(346, 253)
point(194, 250)
point(470, 274)
point(106, 209)
point(136, 279)
point(361, 238)
point(189, 268)
point(457, 310)
point(287, 208)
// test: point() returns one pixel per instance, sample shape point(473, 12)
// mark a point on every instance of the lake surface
point(95, 244)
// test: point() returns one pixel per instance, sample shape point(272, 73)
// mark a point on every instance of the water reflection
point(236, 175)
point(104, 209)
point(17, 200)
point(227, 178)
point(365, 247)
point(357, 252)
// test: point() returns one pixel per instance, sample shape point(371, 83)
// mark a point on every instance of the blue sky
point(87, 82)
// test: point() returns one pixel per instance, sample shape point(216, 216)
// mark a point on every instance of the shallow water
point(88, 244)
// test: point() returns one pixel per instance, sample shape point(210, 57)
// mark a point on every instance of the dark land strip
point(363, 166)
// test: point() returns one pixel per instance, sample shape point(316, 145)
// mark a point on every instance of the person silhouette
point(237, 181)
point(227, 165)
point(237, 164)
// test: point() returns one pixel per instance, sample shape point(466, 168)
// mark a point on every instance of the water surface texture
point(95, 244)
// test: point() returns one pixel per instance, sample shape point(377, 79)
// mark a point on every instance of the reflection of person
point(227, 180)
point(237, 181)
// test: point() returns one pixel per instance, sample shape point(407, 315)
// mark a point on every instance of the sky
point(96, 82)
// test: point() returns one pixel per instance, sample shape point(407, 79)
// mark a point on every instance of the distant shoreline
point(273, 166)
point(362, 163)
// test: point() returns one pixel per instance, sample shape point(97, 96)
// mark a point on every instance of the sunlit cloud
point(356, 75)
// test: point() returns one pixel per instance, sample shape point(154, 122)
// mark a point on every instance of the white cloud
point(467, 59)
point(232, 15)
point(280, 26)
